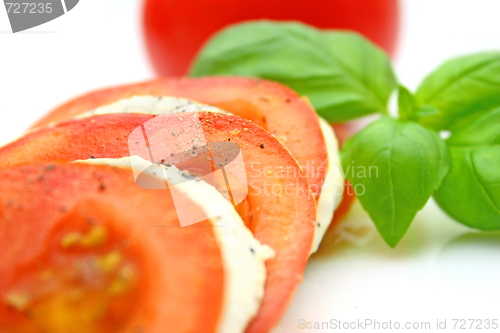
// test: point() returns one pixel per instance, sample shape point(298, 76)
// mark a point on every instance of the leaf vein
point(328, 58)
point(393, 199)
point(474, 171)
point(450, 84)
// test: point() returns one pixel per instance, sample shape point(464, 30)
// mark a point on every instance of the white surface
point(438, 272)
point(43, 67)
point(441, 270)
point(433, 31)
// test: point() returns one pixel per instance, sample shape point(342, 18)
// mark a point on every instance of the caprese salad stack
point(86, 249)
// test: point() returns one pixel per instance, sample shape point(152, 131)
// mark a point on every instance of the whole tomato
point(176, 29)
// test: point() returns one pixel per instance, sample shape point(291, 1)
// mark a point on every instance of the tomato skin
point(176, 29)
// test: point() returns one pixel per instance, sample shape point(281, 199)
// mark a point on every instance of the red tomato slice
point(79, 254)
point(271, 105)
point(283, 220)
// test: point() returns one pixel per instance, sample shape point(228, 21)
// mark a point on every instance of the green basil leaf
point(406, 103)
point(484, 131)
point(344, 75)
point(424, 111)
point(403, 164)
point(462, 89)
point(471, 191)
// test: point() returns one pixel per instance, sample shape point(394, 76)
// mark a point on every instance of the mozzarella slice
point(243, 255)
point(152, 105)
point(333, 186)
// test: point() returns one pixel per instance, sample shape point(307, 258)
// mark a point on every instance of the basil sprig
point(396, 163)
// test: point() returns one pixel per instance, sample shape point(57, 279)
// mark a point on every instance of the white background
point(441, 270)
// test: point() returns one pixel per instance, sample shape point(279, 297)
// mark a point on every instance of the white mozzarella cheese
point(333, 186)
point(153, 105)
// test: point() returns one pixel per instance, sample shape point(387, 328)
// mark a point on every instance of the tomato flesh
point(80, 254)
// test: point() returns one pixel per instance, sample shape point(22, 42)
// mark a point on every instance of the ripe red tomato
point(176, 29)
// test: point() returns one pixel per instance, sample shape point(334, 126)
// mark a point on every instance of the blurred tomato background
point(176, 29)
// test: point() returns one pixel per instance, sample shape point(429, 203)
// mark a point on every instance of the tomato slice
point(84, 249)
point(271, 105)
point(283, 218)
point(281, 209)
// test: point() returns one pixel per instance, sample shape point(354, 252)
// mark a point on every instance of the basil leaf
point(406, 103)
point(462, 89)
point(424, 111)
point(344, 75)
point(471, 191)
point(484, 131)
point(410, 161)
